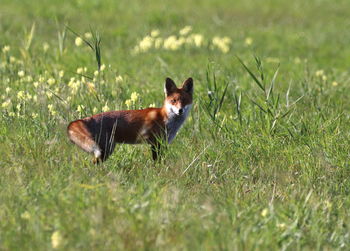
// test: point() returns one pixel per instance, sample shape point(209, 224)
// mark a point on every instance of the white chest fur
point(175, 122)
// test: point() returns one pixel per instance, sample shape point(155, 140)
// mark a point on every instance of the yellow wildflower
point(185, 30)
point(56, 239)
point(226, 40)
point(25, 215)
point(181, 41)
point(21, 74)
point(319, 73)
point(128, 102)
point(158, 42)
point(103, 67)
point(248, 41)
point(197, 39)
point(74, 85)
point(6, 48)
point(41, 79)
point(91, 87)
point(20, 95)
point(29, 96)
point(80, 108)
point(46, 46)
point(264, 212)
point(8, 89)
point(105, 108)
point(155, 33)
point(78, 41)
point(80, 70)
point(29, 78)
point(135, 50)
point(281, 225)
point(34, 115)
point(12, 59)
point(49, 94)
point(152, 105)
point(170, 43)
point(61, 74)
point(6, 104)
point(51, 110)
point(94, 110)
point(134, 97)
point(88, 35)
point(222, 43)
point(96, 73)
point(334, 83)
point(51, 81)
point(146, 43)
point(118, 79)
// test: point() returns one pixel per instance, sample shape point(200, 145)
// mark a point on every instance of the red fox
point(99, 133)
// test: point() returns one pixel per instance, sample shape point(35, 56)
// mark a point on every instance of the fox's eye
point(173, 101)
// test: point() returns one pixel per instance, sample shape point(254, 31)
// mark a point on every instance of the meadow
point(262, 163)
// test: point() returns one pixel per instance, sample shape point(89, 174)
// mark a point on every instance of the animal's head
point(178, 101)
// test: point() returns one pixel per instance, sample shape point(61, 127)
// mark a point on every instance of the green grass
point(262, 162)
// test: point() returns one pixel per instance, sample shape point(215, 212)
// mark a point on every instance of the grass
point(261, 163)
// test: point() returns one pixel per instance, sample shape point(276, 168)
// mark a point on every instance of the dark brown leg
point(156, 151)
point(96, 161)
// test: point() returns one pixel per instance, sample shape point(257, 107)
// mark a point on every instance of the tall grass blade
point(257, 81)
point(270, 91)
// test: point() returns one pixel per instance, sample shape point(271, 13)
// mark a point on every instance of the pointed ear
point(188, 85)
point(170, 86)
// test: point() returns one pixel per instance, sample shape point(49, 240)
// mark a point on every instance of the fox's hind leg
point(79, 134)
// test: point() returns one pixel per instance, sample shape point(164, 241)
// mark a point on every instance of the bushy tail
point(79, 134)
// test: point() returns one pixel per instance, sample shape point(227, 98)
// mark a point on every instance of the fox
point(99, 133)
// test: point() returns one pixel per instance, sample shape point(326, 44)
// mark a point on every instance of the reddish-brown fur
point(102, 131)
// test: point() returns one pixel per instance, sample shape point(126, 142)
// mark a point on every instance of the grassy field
point(262, 162)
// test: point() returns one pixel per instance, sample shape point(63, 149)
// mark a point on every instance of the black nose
point(181, 111)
